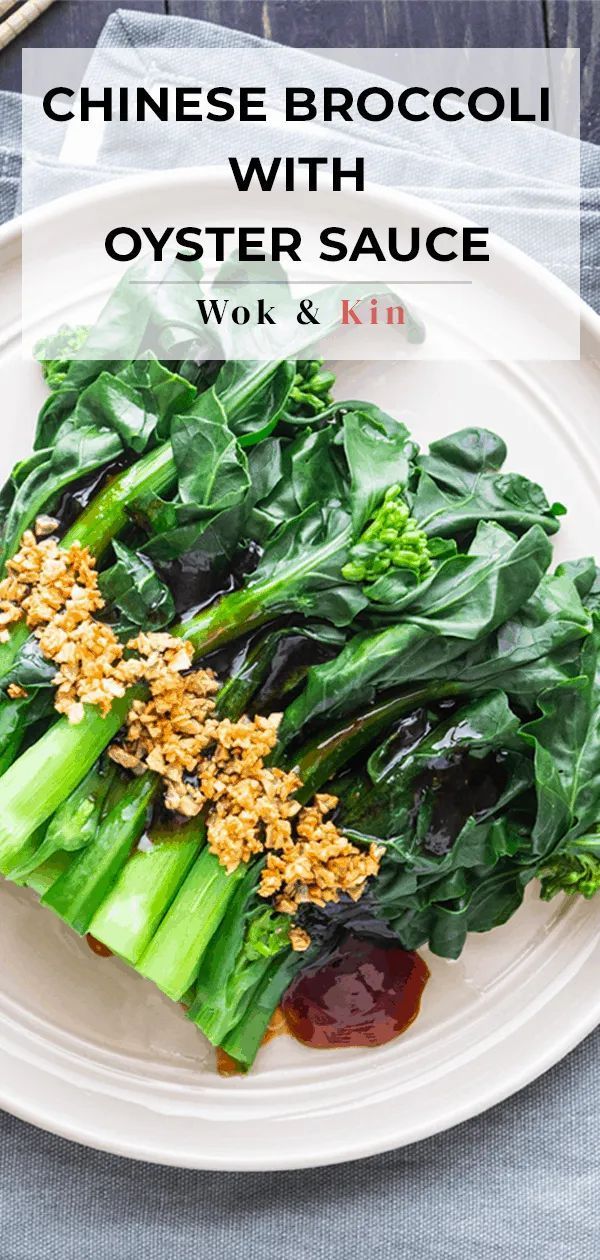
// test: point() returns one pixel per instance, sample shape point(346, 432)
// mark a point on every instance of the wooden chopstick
point(19, 21)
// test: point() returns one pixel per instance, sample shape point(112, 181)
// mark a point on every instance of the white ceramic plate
point(90, 1051)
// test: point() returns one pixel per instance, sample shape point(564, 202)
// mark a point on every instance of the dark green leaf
point(378, 449)
point(460, 485)
point(494, 580)
point(133, 586)
point(211, 467)
point(567, 742)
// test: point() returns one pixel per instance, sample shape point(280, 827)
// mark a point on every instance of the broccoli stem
point(322, 757)
point(245, 610)
point(173, 956)
point(44, 876)
point(46, 773)
point(128, 918)
point(214, 1004)
point(77, 894)
point(75, 822)
point(243, 1042)
point(250, 936)
point(236, 693)
point(107, 514)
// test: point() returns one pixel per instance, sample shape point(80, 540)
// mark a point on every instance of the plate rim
point(574, 1031)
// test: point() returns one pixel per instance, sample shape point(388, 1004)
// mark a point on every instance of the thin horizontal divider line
point(258, 283)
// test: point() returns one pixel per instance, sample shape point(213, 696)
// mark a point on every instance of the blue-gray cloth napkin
point(518, 1183)
point(529, 192)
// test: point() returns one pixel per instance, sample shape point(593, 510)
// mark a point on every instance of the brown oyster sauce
point(226, 1066)
point(364, 994)
point(97, 947)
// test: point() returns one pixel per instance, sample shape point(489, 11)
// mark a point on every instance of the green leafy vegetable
point(57, 351)
point(76, 821)
point(133, 586)
point(468, 597)
point(212, 470)
point(445, 808)
point(461, 484)
point(110, 417)
point(397, 605)
point(249, 937)
point(567, 746)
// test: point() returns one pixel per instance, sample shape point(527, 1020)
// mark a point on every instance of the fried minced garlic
point(318, 863)
point(299, 939)
point(15, 692)
point(169, 732)
point(43, 580)
point(45, 525)
point(218, 766)
point(56, 591)
point(206, 764)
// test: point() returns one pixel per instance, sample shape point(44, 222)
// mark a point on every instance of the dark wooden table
point(354, 23)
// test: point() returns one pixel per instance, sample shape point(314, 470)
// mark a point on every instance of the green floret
point(267, 934)
point(311, 390)
point(56, 352)
point(391, 540)
point(571, 873)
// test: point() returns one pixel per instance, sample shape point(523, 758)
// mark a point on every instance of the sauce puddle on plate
point(97, 947)
point(226, 1066)
point(365, 994)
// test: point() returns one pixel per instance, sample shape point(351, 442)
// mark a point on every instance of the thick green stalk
point(47, 874)
point(236, 693)
point(232, 615)
point(322, 757)
point(129, 916)
point(78, 893)
point(107, 513)
point(75, 822)
point(243, 1042)
point(45, 774)
point(226, 975)
point(133, 910)
point(27, 856)
point(242, 611)
point(173, 957)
